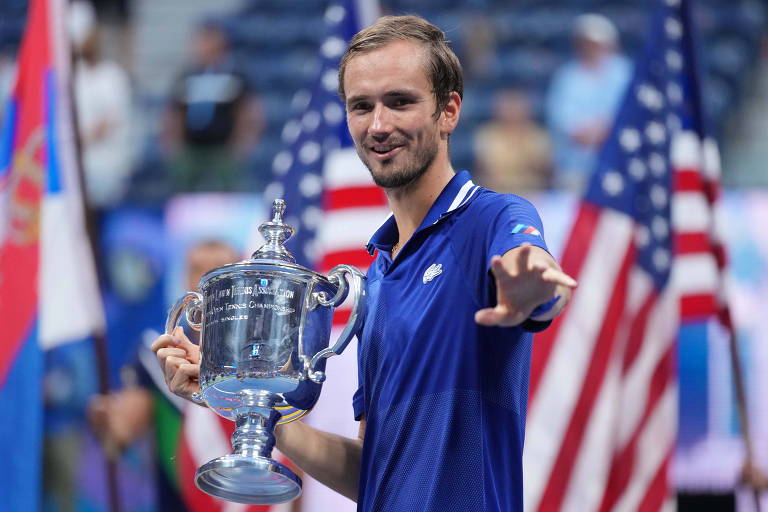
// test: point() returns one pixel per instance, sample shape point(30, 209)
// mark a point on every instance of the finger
point(166, 340)
point(172, 365)
point(500, 272)
point(186, 380)
point(553, 275)
point(164, 353)
point(184, 341)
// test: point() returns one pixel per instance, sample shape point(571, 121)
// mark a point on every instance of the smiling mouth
point(384, 152)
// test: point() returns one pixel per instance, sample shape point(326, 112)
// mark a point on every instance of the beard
point(391, 176)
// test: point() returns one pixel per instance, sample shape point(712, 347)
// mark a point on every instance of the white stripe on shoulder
point(461, 196)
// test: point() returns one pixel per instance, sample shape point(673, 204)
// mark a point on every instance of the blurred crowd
point(217, 128)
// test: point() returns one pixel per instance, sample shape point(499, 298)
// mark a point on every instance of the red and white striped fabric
point(602, 418)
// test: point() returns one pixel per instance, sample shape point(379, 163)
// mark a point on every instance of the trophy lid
point(275, 232)
point(272, 257)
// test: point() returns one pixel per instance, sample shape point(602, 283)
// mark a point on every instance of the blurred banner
point(49, 294)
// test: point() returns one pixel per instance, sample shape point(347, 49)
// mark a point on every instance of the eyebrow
point(389, 94)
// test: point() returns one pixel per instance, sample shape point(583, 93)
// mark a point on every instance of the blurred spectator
point(124, 416)
point(583, 98)
point(512, 150)
point(103, 101)
point(214, 121)
point(479, 43)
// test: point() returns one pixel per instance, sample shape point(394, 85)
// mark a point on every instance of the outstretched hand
point(526, 277)
point(180, 360)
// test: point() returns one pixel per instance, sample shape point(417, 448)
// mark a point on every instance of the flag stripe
point(601, 354)
point(355, 257)
point(353, 197)
point(572, 261)
point(623, 460)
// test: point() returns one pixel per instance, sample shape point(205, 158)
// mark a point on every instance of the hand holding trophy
point(265, 328)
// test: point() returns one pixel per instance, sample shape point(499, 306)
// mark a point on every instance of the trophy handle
point(348, 277)
point(191, 304)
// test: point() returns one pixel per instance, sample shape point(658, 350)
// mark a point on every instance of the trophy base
point(250, 480)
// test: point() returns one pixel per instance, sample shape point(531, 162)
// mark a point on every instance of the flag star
point(655, 132)
point(331, 143)
point(674, 92)
point(650, 97)
point(659, 196)
point(657, 164)
point(613, 183)
point(673, 28)
point(630, 139)
point(331, 80)
point(661, 258)
point(335, 14)
point(659, 227)
point(333, 47)
point(311, 217)
point(282, 162)
point(274, 190)
point(673, 123)
point(300, 100)
point(333, 113)
point(674, 60)
point(309, 152)
point(637, 169)
point(311, 250)
point(310, 121)
point(642, 236)
point(311, 185)
point(291, 131)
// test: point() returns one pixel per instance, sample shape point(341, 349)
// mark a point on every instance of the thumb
point(193, 351)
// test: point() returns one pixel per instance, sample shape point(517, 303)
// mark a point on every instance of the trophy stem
point(255, 423)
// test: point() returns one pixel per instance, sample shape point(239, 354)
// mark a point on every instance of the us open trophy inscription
point(265, 327)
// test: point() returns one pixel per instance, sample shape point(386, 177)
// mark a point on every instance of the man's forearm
point(331, 459)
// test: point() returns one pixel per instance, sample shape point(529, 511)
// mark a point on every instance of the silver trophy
point(265, 329)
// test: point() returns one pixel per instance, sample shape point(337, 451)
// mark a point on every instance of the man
point(452, 296)
point(583, 98)
point(215, 117)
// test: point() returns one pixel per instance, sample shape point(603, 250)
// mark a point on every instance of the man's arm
point(331, 459)
point(526, 277)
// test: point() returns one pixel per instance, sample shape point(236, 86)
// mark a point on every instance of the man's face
point(390, 113)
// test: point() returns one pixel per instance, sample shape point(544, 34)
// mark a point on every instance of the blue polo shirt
point(444, 398)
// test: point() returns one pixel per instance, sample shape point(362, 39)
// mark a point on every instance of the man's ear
point(449, 117)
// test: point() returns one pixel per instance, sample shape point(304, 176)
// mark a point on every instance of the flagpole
point(92, 235)
point(751, 475)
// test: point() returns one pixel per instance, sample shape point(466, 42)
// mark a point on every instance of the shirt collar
point(455, 195)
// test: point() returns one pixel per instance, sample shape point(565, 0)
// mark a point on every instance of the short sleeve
point(358, 403)
point(515, 224)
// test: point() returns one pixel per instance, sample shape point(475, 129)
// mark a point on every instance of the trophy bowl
point(265, 327)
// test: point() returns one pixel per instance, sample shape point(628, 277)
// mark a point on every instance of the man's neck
point(411, 204)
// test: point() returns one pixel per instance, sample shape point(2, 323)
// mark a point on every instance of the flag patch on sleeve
point(525, 229)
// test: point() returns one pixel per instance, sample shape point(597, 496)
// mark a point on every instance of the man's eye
point(360, 107)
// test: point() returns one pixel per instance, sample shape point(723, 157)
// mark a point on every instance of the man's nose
point(380, 122)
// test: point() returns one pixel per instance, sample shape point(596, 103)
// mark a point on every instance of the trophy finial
point(275, 232)
point(278, 209)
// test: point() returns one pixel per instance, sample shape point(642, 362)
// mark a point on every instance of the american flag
point(330, 196)
point(602, 417)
